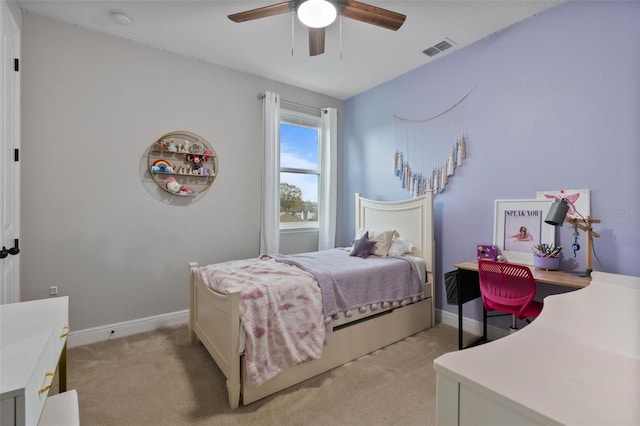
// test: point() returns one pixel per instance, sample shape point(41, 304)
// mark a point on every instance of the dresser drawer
point(33, 338)
point(43, 375)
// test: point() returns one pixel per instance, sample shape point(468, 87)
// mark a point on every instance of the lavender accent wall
point(557, 106)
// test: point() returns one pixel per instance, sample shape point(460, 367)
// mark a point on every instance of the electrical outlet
point(53, 291)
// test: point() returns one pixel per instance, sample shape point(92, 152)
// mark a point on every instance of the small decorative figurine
point(195, 148)
point(184, 147)
point(171, 146)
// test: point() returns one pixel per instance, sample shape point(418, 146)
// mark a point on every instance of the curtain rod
point(284, 101)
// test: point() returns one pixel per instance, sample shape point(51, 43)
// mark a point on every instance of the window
point(300, 169)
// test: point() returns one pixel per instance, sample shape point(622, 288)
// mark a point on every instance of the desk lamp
point(558, 215)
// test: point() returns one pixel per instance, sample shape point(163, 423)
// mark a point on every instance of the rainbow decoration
point(161, 166)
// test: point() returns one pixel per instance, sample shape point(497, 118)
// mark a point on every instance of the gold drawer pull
point(47, 387)
point(65, 331)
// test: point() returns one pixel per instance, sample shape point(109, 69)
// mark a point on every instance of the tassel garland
point(417, 183)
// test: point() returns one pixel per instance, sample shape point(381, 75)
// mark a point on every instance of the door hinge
point(16, 155)
point(16, 64)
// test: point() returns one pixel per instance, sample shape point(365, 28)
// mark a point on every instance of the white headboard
point(413, 219)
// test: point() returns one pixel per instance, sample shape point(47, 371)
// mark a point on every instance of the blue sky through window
point(299, 150)
point(298, 147)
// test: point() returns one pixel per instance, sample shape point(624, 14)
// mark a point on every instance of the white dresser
point(578, 363)
point(33, 338)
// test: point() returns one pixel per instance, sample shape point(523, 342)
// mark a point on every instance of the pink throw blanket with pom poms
point(280, 311)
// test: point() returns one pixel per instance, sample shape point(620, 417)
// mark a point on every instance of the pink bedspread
point(280, 311)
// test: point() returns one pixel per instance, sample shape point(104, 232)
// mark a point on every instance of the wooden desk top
point(540, 275)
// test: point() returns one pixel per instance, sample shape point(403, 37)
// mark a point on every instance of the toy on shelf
point(171, 146)
point(196, 161)
point(173, 186)
point(196, 148)
point(183, 148)
point(161, 166)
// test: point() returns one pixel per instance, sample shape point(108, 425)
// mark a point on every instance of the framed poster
point(579, 200)
point(519, 224)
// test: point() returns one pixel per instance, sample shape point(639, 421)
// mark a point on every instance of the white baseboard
point(469, 325)
point(126, 328)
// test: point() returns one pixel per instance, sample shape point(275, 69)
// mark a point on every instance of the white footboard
point(214, 318)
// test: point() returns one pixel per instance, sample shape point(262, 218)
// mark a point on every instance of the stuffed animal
point(196, 160)
point(174, 187)
point(187, 191)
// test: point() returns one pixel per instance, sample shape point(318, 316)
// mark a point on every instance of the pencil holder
point(548, 263)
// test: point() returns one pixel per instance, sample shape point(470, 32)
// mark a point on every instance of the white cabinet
point(33, 338)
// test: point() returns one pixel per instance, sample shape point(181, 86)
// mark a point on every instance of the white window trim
point(297, 118)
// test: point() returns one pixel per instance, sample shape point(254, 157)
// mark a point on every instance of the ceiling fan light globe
point(317, 13)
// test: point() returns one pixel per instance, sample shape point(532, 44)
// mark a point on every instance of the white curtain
point(270, 226)
point(328, 184)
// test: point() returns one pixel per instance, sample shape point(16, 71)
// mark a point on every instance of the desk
point(560, 278)
point(576, 364)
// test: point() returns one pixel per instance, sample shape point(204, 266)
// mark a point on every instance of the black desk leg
point(460, 302)
point(484, 324)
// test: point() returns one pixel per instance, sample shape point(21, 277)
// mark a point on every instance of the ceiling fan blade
point(316, 41)
point(263, 12)
point(371, 14)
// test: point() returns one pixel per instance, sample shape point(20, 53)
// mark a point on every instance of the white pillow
point(383, 239)
point(400, 246)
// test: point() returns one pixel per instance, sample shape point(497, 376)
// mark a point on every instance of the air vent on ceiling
point(439, 47)
point(432, 51)
point(443, 45)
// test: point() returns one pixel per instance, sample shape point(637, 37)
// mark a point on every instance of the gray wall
point(91, 106)
point(14, 8)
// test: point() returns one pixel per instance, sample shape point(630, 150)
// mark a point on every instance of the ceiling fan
point(318, 14)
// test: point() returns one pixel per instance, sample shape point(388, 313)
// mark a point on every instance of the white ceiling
point(370, 55)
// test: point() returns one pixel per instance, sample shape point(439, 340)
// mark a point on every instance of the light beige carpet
point(159, 378)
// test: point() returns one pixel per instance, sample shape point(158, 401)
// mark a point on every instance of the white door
point(9, 159)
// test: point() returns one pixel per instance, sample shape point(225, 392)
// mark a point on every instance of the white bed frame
point(214, 318)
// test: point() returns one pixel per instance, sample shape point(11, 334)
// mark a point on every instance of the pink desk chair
point(509, 288)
